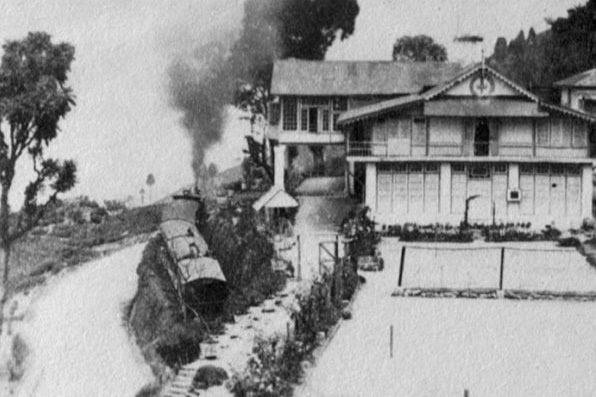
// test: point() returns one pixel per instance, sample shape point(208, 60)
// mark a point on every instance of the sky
point(123, 126)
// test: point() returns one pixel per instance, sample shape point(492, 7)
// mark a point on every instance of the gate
point(328, 255)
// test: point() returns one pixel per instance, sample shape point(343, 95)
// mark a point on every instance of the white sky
point(123, 127)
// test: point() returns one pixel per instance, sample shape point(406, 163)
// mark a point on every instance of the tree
point(419, 48)
point(34, 97)
point(150, 182)
point(212, 170)
point(567, 48)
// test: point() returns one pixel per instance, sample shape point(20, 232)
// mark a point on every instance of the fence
point(499, 267)
point(311, 254)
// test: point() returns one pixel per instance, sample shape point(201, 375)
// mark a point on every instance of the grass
point(48, 248)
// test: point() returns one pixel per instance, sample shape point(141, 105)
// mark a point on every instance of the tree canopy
point(419, 48)
point(34, 97)
point(538, 60)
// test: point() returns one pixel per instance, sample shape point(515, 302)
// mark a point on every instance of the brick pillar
point(279, 165)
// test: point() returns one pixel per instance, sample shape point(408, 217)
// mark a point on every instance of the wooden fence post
point(299, 268)
point(502, 268)
point(391, 341)
point(401, 265)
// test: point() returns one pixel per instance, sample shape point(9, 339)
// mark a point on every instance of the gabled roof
point(509, 108)
point(585, 79)
point(301, 77)
point(469, 71)
point(275, 197)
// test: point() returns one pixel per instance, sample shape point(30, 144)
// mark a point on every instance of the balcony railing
point(368, 148)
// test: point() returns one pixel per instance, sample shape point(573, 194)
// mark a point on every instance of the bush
point(271, 372)
point(360, 230)
point(570, 241)
point(244, 254)
point(149, 390)
point(209, 375)
point(432, 232)
point(180, 344)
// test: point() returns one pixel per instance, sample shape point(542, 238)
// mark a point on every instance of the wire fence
point(499, 267)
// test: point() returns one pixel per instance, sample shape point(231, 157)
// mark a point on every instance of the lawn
point(445, 346)
point(50, 248)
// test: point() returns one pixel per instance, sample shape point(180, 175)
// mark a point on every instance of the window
point(542, 169)
point(556, 133)
point(335, 117)
point(419, 132)
point(315, 101)
point(290, 110)
point(304, 119)
point(578, 137)
point(325, 120)
point(543, 133)
point(340, 104)
point(274, 113)
point(500, 168)
point(526, 168)
point(573, 169)
point(415, 167)
point(477, 171)
point(431, 167)
point(458, 167)
point(557, 169)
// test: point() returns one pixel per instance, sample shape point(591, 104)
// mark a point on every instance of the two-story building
point(421, 138)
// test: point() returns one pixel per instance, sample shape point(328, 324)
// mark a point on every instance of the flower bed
point(431, 232)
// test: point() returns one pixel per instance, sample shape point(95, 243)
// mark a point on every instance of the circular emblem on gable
point(482, 85)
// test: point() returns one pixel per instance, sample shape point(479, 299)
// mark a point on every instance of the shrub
point(209, 375)
point(432, 232)
point(180, 344)
point(360, 230)
point(270, 372)
point(149, 390)
point(570, 241)
point(19, 352)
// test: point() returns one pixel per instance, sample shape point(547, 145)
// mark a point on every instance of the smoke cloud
point(203, 79)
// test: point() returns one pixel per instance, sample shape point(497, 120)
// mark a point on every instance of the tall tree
point(419, 48)
point(150, 182)
point(34, 97)
point(567, 48)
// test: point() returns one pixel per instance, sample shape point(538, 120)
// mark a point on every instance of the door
point(400, 190)
point(431, 189)
point(542, 190)
point(526, 185)
point(479, 184)
point(313, 120)
point(481, 138)
point(459, 188)
point(415, 191)
point(499, 179)
point(557, 191)
point(398, 137)
point(384, 182)
point(574, 191)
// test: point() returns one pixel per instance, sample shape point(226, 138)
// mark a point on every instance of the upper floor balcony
point(486, 139)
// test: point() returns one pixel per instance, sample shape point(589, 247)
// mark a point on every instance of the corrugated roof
point(276, 197)
point(301, 77)
point(377, 108)
point(584, 79)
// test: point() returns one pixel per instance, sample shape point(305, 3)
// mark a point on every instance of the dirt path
point(75, 330)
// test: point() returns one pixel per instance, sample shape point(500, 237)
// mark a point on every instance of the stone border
point(491, 293)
